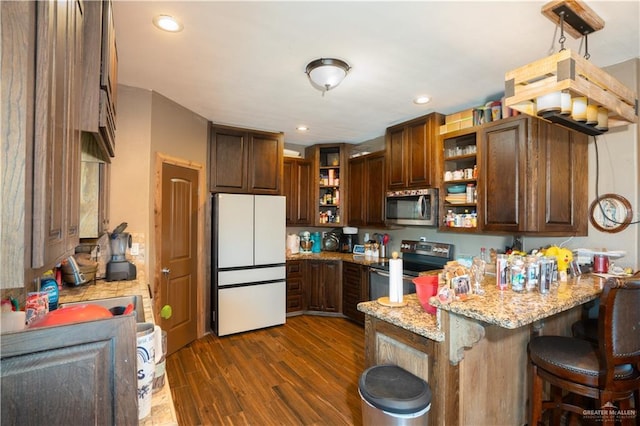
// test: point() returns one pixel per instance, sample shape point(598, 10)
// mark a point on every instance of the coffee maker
point(348, 239)
point(119, 268)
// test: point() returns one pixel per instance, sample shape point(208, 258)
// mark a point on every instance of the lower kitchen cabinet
point(355, 289)
point(295, 283)
point(323, 286)
point(82, 373)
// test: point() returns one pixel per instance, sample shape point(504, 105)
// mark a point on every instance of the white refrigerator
point(249, 272)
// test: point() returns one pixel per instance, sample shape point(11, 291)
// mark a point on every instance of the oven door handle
point(386, 274)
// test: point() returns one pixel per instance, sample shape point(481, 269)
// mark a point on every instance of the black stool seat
point(560, 355)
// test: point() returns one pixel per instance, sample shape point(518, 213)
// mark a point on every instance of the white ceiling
point(242, 63)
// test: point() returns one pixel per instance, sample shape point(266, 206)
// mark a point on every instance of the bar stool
point(608, 373)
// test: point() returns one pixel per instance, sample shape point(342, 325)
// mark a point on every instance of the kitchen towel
point(395, 280)
point(146, 366)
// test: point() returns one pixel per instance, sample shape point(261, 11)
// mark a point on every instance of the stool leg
point(536, 398)
point(556, 396)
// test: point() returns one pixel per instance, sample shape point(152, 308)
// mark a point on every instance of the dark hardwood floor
point(302, 373)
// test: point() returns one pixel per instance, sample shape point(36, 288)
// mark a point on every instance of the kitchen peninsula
point(473, 353)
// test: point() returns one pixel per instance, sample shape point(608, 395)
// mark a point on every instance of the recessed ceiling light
point(167, 23)
point(423, 99)
point(302, 128)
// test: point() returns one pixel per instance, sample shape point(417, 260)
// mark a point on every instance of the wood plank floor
point(302, 373)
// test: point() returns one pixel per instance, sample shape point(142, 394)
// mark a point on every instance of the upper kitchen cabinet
point(534, 178)
point(297, 188)
point(410, 152)
point(245, 161)
point(330, 193)
point(100, 75)
point(367, 190)
point(56, 146)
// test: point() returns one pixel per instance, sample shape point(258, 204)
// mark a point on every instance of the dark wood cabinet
point(330, 195)
point(297, 188)
point(323, 286)
point(73, 374)
point(410, 152)
point(100, 75)
point(56, 149)
point(355, 289)
point(367, 190)
point(245, 161)
point(295, 284)
point(534, 176)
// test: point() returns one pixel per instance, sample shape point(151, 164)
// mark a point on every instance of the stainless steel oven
point(417, 256)
point(412, 207)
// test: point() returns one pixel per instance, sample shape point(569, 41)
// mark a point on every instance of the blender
point(119, 268)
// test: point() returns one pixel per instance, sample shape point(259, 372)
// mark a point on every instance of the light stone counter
point(162, 408)
point(334, 255)
point(511, 310)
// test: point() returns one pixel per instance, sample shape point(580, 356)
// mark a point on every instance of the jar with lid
point(533, 273)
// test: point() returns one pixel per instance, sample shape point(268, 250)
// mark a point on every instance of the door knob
point(166, 271)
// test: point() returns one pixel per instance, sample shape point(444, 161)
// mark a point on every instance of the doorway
point(178, 268)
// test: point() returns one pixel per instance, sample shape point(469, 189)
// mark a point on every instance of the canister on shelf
point(470, 191)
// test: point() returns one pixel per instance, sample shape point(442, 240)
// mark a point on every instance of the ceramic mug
point(458, 174)
point(448, 176)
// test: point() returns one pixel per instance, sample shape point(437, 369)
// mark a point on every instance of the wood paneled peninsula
point(473, 353)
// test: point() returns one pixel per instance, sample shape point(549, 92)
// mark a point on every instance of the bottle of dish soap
point(50, 286)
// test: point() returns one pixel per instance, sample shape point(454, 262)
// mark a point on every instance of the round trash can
point(393, 396)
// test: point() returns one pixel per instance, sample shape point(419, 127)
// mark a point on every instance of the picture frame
point(610, 213)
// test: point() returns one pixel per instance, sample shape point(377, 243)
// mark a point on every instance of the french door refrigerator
point(249, 272)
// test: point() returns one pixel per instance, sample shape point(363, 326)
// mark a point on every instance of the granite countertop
point(410, 317)
point(509, 309)
point(162, 408)
point(334, 255)
point(506, 309)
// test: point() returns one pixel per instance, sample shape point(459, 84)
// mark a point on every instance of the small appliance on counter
point(305, 242)
point(119, 268)
point(348, 239)
point(331, 240)
point(293, 244)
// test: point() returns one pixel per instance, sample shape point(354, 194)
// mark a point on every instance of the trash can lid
point(395, 390)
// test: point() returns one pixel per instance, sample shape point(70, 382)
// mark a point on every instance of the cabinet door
point(313, 290)
point(357, 189)
point(265, 163)
point(419, 158)
point(296, 187)
point(95, 362)
point(74, 135)
point(55, 227)
point(355, 289)
point(295, 280)
point(228, 150)
point(395, 152)
point(332, 282)
point(374, 203)
point(503, 160)
point(561, 186)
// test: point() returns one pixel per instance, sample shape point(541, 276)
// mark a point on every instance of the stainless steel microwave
point(412, 207)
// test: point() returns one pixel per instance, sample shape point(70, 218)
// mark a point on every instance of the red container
point(426, 287)
point(600, 263)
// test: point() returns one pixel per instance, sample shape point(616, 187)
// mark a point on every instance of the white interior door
point(270, 229)
point(235, 230)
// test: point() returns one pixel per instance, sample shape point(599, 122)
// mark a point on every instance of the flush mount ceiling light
point(567, 89)
point(421, 100)
point(167, 23)
point(327, 73)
